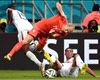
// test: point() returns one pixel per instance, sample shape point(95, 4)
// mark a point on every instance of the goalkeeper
point(71, 67)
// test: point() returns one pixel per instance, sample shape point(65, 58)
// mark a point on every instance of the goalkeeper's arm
point(91, 72)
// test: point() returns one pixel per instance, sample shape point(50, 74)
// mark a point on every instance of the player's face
point(64, 27)
point(71, 29)
point(69, 53)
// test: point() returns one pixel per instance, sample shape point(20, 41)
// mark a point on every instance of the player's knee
point(54, 58)
point(32, 46)
point(25, 41)
point(34, 49)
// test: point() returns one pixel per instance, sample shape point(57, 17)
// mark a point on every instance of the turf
point(36, 75)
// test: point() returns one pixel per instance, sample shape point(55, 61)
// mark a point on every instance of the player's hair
point(93, 26)
point(12, 6)
point(68, 48)
point(95, 7)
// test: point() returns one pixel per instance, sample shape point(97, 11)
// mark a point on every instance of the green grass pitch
point(36, 75)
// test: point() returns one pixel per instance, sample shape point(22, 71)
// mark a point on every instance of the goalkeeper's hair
point(68, 48)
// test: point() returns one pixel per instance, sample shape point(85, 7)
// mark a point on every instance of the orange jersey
point(42, 28)
point(95, 15)
point(46, 25)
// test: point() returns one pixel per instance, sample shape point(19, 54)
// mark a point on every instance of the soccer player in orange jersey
point(56, 26)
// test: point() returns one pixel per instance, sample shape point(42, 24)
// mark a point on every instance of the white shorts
point(74, 72)
point(23, 26)
point(22, 35)
point(65, 70)
point(68, 71)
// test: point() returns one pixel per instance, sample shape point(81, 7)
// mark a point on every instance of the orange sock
point(17, 47)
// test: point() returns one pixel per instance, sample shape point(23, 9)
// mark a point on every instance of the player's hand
point(97, 76)
point(58, 5)
point(71, 27)
point(86, 30)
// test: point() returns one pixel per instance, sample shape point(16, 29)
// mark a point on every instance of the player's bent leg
point(74, 72)
point(33, 58)
point(84, 68)
point(47, 56)
point(42, 69)
point(7, 57)
point(79, 62)
point(38, 49)
point(13, 50)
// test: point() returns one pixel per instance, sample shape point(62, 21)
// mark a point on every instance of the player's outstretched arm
point(59, 8)
point(91, 72)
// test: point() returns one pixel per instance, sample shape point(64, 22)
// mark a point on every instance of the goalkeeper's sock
point(32, 57)
point(17, 47)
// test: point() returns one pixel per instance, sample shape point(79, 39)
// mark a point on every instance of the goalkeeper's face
point(69, 53)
